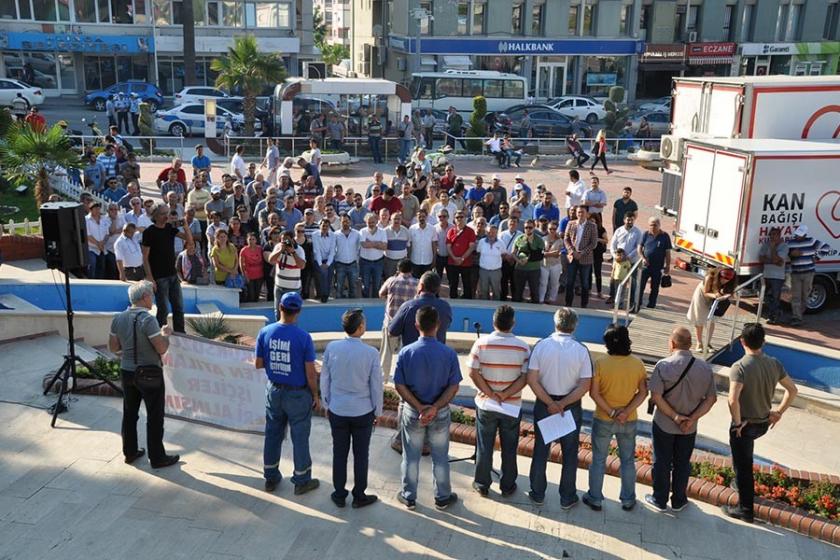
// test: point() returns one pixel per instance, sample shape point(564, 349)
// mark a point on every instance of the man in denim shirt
point(427, 378)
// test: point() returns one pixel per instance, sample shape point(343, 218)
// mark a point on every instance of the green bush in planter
point(617, 112)
point(477, 130)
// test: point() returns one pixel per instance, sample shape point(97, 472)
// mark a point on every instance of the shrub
point(213, 327)
point(102, 368)
point(477, 130)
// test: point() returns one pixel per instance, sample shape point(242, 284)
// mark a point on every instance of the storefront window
point(478, 19)
point(7, 9)
point(140, 11)
point(498, 63)
point(516, 19)
point(588, 19)
point(231, 14)
point(44, 10)
point(171, 73)
point(25, 11)
point(537, 20)
point(67, 71)
point(85, 10)
point(600, 73)
point(121, 11)
point(573, 20)
point(163, 12)
point(104, 13)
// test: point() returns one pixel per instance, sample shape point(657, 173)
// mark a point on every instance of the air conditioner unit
point(670, 148)
point(692, 36)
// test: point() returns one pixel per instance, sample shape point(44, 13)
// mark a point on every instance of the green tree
point(334, 54)
point(27, 154)
point(617, 112)
point(319, 28)
point(246, 69)
point(477, 129)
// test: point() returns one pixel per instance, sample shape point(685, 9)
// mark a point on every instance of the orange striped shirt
point(500, 358)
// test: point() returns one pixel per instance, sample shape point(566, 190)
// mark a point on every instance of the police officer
point(287, 354)
point(134, 109)
point(111, 111)
point(122, 105)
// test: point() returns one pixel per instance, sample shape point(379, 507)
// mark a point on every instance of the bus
point(457, 88)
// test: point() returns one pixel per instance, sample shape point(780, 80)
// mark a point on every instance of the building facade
point(585, 47)
point(72, 46)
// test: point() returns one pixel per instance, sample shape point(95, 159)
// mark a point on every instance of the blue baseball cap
point(291, 301)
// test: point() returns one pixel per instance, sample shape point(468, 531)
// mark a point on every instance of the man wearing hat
point(287, 354)
point(520, 180)
point(216, 203)
point(804, 253)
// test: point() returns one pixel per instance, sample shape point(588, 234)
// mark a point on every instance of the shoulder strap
point(134, 337)
point(682, 376)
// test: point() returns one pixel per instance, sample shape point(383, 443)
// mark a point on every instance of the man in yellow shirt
point(619, 386)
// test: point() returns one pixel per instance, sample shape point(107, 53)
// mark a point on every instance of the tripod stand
point(67, 372)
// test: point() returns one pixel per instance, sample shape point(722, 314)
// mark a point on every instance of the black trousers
point(417, 270)
point(464, 273)
point(122, 120)
point(603, 159)
point(347, 430)
point(154, 418)
point(671, 466)
point(440, 265)
point(742, 462)
point(135, 122)
point(508, 286)
point(523, 277)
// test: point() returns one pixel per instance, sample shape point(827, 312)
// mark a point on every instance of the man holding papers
point(559, 373)
point(498, 364)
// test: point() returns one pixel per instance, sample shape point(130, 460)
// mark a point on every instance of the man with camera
point(288, 259)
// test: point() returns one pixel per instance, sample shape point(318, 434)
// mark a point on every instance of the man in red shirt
point(36, 120)
point(448, 180)
point(460, 242)
point(386, 200)
point(176, 166)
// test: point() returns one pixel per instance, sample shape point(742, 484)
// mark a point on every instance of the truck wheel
point(819, 296)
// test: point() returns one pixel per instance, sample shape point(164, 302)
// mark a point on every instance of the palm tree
point(26, 154)
point(246, 69)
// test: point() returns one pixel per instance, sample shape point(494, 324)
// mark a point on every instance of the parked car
point(146, 91)
point(39, 79)
point(237, 105)
point(663, 104)
point(545, 122)
point(504, 119)
point(10, 88)
point(187, 120)
point(585, 108)
point(660, 122)
point(197, 94)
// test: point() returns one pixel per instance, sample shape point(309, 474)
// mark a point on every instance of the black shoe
point(325, 299)
point(134, 456)
point(338, 501)
point(168, 461)
point(365, 500)
point(571, 504)
point(651, 503)
point(482, 491)
point(736, 512)
point(533, 498)
point(510, 492)
point(271, 485)
point(592, 505)
point(629, 507)
point(410, 504)
point(443, 504)
point(306, 486)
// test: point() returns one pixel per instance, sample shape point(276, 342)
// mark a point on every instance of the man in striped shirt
point(396, 290)
point(804, 252)
point(498, 367)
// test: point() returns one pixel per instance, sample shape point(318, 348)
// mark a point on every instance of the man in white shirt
point(138, 215)
point(490, 250)
point(494, 143)
point(238, 167)
point(628, 237)
point(323, 255)
point(575, 191)
point(117, 222)
point(129, 254)
point(444, 203)
point(422, 240)
point(559, 374)
point(98, 230)
point(374, 242)
point(596, 200)
point(398, 240)
point(507, 239)
point(272, 161)
point(347, 241)
point(315, 161)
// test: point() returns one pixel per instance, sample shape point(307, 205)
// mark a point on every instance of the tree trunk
point(188, 22)
point(249, 106)
point(42, 187)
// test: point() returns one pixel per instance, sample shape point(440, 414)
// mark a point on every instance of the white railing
point(60, 183)
point(27, 227)
point(737, 293)
point(168, 146)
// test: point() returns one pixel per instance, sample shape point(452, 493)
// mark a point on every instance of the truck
point(783, 107)
point(735, 190)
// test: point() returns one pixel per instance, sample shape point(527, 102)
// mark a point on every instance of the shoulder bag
point(146, 378)
point(652, 405)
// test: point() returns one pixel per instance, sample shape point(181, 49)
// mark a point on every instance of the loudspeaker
point(65, 235)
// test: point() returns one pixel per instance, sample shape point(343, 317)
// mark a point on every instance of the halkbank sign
point(511, 47)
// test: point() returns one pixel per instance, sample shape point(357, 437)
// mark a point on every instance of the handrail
point(737, 293)
point(620, 288)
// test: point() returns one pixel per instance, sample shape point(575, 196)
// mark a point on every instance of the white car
point(10, 88)
point(197, 94)
point(584, 108)
point(661, 105)
point(187, 120)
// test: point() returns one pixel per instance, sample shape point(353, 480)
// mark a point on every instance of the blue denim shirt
point(351, 378)
point(403, 325)
point(427, 367)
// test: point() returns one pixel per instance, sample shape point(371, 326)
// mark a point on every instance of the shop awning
point(457, 61)
point(706, 60)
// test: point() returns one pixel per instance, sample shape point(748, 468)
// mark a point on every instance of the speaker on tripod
point(65, 249)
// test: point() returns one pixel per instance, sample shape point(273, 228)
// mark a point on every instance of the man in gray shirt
point(774, 255)
point(136, 333)
point(683, 389)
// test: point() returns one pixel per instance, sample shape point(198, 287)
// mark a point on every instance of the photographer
point(289, 260)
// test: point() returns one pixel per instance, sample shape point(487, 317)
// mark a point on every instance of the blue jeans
point(292, 407)
point(374, 142)
point(371, 274)
point(168, 293)
point(325, 276)
point(584, 271)
point(654, 274)
point(568, 445)
point(671, 466)
point(346, 274)
point(487, 424)
point(773, 297)
point(625, 436)
point(413, 435)
point(96, 266)
point(405, 149)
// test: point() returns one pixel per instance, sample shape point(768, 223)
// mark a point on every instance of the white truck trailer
point(783, 107)
point(735, 190)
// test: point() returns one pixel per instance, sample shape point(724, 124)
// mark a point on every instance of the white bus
point(457, 88)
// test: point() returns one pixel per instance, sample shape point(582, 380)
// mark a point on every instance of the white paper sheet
point(556, 426)
point(492, 406)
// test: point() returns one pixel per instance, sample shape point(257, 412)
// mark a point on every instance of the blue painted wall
point(814, 370)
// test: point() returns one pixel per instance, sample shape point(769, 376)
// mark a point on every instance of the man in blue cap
point(288, 355)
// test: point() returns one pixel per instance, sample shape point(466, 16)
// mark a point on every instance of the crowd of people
point(558, 369)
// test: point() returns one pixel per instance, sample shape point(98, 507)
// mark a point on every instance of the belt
point(289, 387)
point(346, 264)
point(370, 261)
